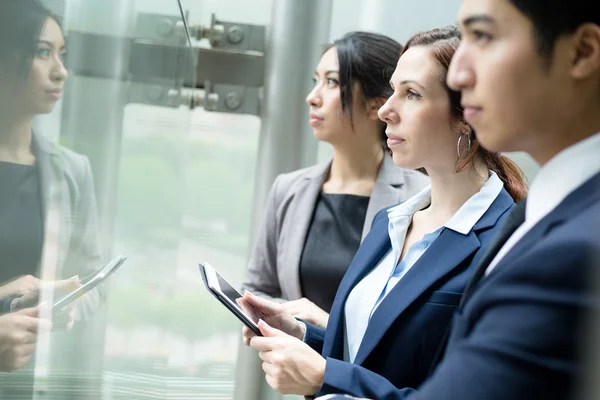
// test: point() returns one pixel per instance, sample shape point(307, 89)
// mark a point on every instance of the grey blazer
point(71, 242)
point(274, 267)
point(70, 247)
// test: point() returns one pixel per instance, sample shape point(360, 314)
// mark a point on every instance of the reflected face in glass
point(45, 82)
point(417, 115)
point(511, 94)
point(329, 122)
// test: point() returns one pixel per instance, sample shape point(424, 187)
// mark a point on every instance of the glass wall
point(165, 336)
point(171, 186)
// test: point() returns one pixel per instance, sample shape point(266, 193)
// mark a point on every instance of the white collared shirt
point(562, 175)
point(368, 294)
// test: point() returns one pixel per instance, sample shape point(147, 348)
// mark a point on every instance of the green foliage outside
point(162, 183)
point(189, 313)
point(169, 190)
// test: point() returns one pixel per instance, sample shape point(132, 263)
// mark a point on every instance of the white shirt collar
point(466, 217)
point(560, 176)
point(412, 205)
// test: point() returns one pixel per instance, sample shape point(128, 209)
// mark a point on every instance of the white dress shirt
point(368, 294)
point(562, 175)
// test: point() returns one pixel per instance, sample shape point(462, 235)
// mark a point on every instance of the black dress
point(21, 225)
point(332, 240)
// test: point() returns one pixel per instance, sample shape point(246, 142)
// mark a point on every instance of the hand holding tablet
point(59, 289)
point(230, 297)
point(67, 291)
point(249, 308)
point(90, 282)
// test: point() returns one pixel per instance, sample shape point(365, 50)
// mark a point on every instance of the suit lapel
point(388, 190)
point(43, 156)
point(56, 206)
point(302, 210)
point(424, 274)
point(579, 200)
point(514, 220)
point(374, 247)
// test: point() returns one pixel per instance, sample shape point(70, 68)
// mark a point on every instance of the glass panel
point(170, 187)
point(146, 160)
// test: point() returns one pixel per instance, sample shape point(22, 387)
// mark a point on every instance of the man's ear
point(373, 106)
point(585, 60)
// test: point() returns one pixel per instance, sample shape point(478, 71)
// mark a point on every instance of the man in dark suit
point(529, 73)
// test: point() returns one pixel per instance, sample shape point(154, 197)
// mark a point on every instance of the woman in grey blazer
point(48, 221)
point(316, 217)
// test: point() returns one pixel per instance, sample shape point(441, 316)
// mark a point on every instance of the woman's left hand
point(308, 311)
point(290, 365)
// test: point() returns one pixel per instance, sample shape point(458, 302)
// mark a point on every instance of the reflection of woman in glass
point(47, 204)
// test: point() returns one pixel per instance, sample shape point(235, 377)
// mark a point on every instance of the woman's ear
point(373, 106)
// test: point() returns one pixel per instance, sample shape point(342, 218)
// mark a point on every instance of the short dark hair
point(369, 60)
point(553, 18)
point(21, 23)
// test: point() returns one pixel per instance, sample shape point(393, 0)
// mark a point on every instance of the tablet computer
point(90, 282)
point(228, 296)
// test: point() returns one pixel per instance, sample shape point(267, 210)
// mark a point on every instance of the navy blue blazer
point(518, 333)
point(407, 328)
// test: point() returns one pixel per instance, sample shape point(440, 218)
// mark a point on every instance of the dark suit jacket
point(518, 334)
point(405, 331)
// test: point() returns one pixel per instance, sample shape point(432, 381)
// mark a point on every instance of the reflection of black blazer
point(71, 241)
point(407, 328)
point(518, 334)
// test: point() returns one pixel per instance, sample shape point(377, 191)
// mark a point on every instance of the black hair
point(553, 18)
point(21, 23)
point(369, 60)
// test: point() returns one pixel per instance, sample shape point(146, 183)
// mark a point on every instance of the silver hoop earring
point(469, 144)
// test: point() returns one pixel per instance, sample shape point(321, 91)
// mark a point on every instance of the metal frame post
point(295, 40)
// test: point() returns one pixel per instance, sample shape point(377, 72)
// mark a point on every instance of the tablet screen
point(234, 295)
point(227, 290)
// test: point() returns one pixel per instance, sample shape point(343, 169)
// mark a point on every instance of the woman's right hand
point(273, 314)
point(18, 336)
